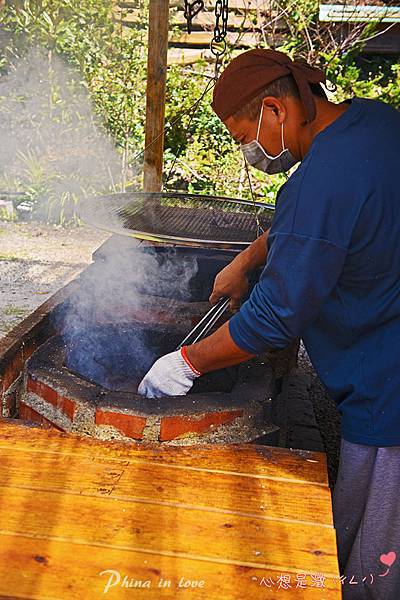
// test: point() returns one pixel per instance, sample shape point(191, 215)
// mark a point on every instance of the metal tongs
point(203, 327)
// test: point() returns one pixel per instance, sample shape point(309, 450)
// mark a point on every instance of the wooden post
point(155, 96)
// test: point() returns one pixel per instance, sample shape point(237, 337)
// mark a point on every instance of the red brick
point(173, 427)
point(15, 365)
point(27, 413)
point(131, 426)
point(66, 405)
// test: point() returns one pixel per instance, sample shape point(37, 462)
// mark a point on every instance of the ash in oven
point(117, 356)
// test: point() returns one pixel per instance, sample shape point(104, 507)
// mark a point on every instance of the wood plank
point(255, 460)
point(233, 4)
point(203, 38)
point(208, 4)
point(173, 530)
point(157, 49)
point(73, 507)
point(145, 482)
point(44, 569)
point(202, 20)
point(188, 56)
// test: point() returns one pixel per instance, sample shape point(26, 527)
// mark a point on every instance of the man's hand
point(232, 282)
point(171, 375)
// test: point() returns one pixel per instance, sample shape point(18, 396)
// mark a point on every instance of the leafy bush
point(200, 156)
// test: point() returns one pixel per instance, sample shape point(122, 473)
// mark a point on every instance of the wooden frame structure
point(155, 94)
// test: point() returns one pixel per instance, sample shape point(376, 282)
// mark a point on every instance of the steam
point(99, 326)
point(51, 144)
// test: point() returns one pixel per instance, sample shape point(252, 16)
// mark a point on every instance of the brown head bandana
point(249, 73)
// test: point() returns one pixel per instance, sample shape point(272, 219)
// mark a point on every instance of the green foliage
point(209, 160)
point(73, 28)
point(118, 87)
point(99, 61)
point(200, 155)
point(83, 32)
point(379, 79)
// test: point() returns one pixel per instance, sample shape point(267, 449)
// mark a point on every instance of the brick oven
point(63, 382)
point(103, 402)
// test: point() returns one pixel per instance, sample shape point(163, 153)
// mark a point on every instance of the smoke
point(98, 325)
point(51, 145)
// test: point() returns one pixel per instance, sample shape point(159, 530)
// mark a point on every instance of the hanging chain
point(191, 10)
point(217, 47)
point(221, 16)
point(218, 42)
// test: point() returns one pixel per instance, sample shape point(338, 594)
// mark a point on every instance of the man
point(332, 277)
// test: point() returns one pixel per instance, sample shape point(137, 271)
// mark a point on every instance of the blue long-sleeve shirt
point(332, 275)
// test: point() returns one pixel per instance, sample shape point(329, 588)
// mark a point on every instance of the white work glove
point(171, 375)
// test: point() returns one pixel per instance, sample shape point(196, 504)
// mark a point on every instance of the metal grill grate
point(180, 218)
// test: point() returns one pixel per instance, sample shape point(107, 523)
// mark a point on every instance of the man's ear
point(276, 108)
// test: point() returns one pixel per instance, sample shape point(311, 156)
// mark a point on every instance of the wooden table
point(80, 517)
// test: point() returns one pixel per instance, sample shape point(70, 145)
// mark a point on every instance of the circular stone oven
point(87, 384)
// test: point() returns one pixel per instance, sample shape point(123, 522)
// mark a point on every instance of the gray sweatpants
point(366, 509)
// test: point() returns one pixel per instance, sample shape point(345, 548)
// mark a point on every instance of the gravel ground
point(326, 414)
point(35, 261)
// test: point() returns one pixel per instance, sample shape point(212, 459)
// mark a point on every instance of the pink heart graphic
point(388, 559)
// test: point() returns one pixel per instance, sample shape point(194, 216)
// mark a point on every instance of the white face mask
point(256, 156)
